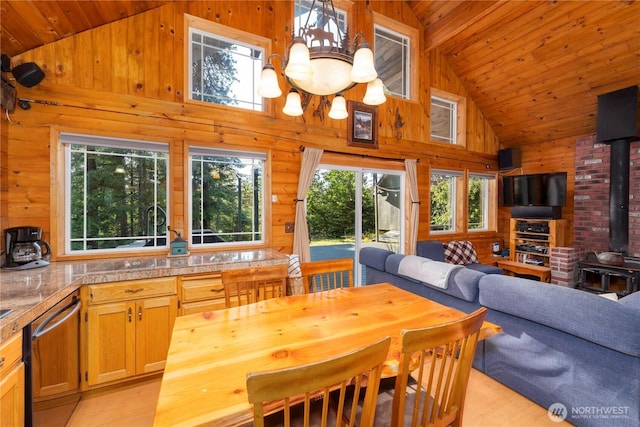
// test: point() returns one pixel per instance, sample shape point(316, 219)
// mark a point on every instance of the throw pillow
point(460, 252)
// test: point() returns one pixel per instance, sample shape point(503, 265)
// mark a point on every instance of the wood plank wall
point(550, 156)
point(4, 177)
point(126, 79)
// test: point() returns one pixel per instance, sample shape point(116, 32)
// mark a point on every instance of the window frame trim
point(229, 33)
point(267, 224)
point(58, 199)
point(413, 34)
point(461, 116)
point(458, 186)
point(490, 207)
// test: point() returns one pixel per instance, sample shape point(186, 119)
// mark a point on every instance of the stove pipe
point(618, 125)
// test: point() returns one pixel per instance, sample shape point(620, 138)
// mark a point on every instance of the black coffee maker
point(25, 248)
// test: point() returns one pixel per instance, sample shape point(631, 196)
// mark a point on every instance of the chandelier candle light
point(329, 68)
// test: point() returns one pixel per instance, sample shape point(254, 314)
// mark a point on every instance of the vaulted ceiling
point(534, 68)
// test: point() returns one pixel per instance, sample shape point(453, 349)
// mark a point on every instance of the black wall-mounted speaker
point(509, 158)
point(618, 115)
point(28, 74)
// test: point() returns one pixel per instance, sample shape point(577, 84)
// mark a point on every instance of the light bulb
point(293, 106)
point(375, 93)
point(363, 70)
point(338, 108)
point(268, 86)
point(299, 63)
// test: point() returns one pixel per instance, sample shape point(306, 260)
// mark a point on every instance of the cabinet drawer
point(11, 352)
point(202, 288)
point(131, 289)
point(200, 306)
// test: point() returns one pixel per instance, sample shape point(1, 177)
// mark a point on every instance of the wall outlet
point(289, 226)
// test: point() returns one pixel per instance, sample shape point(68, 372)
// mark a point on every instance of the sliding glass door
point(350, 208)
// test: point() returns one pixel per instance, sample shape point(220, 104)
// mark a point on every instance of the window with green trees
point(116, 193)
point(224, 67)
point(443, 200)
point(227, 196)
point(479, 201)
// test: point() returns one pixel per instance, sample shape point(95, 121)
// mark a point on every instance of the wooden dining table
point(210, 354)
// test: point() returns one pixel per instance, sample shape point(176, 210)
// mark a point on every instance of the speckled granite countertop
point(30, 293)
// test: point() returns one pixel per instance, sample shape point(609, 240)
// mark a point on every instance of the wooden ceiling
point(534, 68)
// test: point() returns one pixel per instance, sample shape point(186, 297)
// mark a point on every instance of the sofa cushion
point(572, 311)
point(631, 301)
point(374, 257)
point(485, 268)
point(432, 249)
point(462, 283)
point(392, 265)
point(460, 252)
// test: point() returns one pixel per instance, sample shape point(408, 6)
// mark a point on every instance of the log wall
point(126, 79)
point(550, 156)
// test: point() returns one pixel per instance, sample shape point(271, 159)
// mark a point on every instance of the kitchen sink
point(5, 311)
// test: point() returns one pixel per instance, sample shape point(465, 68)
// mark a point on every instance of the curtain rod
point(302, 147)
point(437, 156)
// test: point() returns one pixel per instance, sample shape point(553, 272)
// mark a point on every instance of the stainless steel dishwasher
point(51, 354)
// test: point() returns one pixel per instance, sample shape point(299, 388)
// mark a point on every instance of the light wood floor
point(488, 403)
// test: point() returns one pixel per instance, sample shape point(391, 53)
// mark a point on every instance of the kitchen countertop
point(30, 293)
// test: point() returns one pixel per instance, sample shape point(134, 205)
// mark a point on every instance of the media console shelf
point(519, 268)
point(531, 240)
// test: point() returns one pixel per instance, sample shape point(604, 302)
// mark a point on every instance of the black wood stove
point(595, 276)
point(618, 126)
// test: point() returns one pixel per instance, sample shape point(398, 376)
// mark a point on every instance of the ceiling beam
point(450, 18)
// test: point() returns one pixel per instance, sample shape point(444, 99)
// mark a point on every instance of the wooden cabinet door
point(50, 377)
point(12, 397)
point(111, 342)
point(154, 324)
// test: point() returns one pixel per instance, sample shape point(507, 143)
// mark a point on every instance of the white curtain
point(310, 161)
point(414, 219)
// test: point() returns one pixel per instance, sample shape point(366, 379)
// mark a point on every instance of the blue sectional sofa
point(562, 348)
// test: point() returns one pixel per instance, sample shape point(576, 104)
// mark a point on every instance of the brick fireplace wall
point(591, 196)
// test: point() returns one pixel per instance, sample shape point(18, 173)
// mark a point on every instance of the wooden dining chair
point(433, 373)
point(328, 274)
point(435, 361)
point(303, 391)
point(248, 285)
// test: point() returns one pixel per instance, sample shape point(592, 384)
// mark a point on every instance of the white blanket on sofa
point(426, 270)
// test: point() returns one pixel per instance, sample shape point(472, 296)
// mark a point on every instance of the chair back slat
point(439, 358)
point(327, 274)
point(248, 285)
point(305, 390)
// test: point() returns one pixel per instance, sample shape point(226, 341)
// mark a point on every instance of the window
point(116, 193)
point(444, 188)
point(395, 59)
point(392, 61)
point(224, 65)
point(443, 120)
point(481, 187)
point(303, 15)
point(448, 114)
point(227, 196)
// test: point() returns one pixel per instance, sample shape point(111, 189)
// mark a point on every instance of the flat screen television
point(544, 189)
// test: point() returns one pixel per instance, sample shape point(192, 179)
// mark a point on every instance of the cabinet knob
point(130, 314)
point(140, 313)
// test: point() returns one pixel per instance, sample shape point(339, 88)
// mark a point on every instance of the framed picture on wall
point(362, 125)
